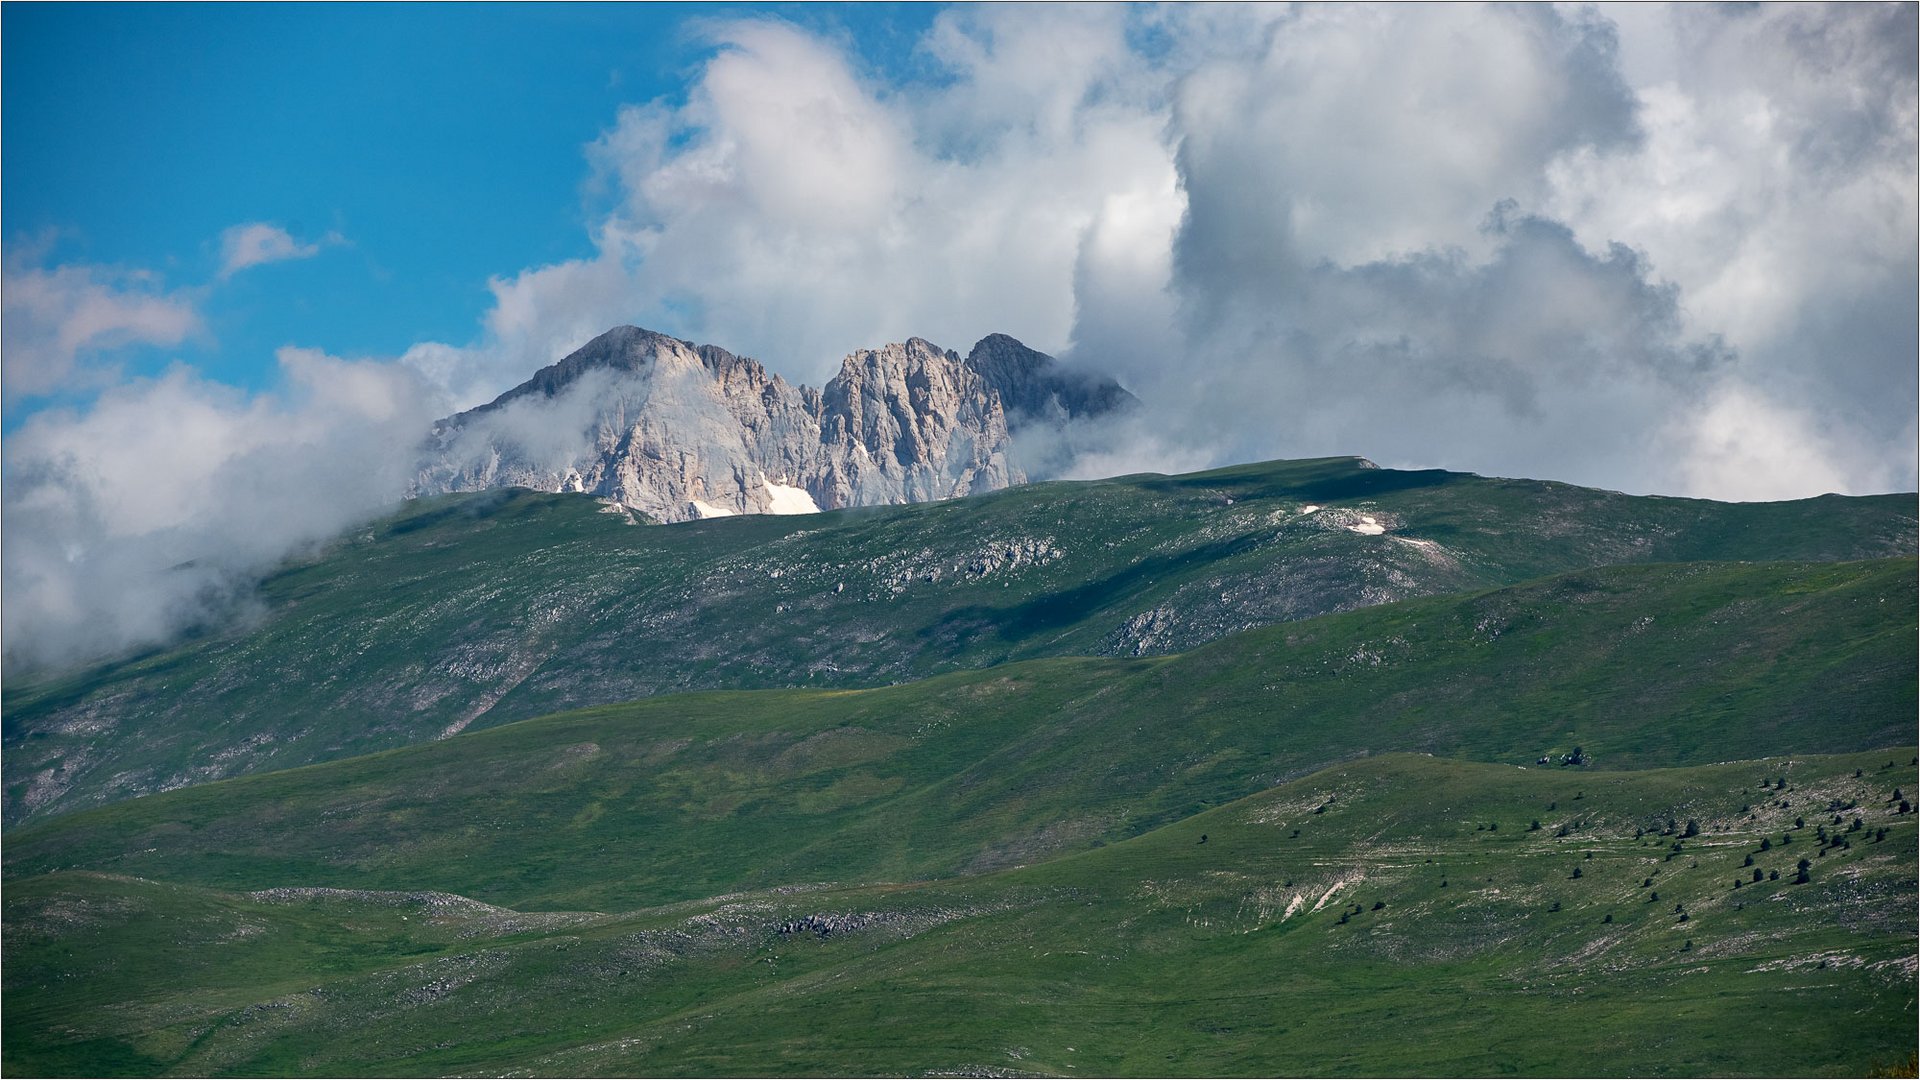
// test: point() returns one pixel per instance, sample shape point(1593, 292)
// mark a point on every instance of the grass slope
point(675, 798)
point(1369, 919)
point(474, 610)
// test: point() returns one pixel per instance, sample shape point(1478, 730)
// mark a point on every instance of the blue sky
point(437, 146)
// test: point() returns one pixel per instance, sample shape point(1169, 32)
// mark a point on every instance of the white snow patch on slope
point(789, 500)
point(708, 510)
point(1367, 527)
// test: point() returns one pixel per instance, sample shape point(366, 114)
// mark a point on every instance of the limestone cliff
point(678, 431)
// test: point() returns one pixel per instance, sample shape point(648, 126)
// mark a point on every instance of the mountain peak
point(677, 430)
point(1034, 386)
point(624, 345)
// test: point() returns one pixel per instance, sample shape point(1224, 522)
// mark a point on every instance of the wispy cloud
point(256, 243)
point(57, 322)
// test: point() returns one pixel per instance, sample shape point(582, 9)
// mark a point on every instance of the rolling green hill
point(469, 611)
point(1284, 851)
point(1390, 916)
point(680, 797)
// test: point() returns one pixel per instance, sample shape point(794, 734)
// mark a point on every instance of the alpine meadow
point(661, 660)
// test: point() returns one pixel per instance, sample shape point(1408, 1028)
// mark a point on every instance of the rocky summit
point(678, 431)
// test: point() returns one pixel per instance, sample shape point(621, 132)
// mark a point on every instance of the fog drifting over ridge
point(1655, 250)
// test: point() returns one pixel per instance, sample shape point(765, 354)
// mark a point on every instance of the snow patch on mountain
point(785, 499)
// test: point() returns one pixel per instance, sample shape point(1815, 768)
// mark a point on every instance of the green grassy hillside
point(676, 798)
point(1390, 916)
point(469, 611)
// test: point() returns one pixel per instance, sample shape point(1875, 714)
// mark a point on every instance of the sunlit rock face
point(678, 431)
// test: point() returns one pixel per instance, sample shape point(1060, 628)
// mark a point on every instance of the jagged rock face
point(911, 423)
point(652, 423)
point(1035, 388)
point(678, 431)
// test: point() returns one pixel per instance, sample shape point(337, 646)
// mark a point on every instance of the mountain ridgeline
point(677, 431)
point(471, 610)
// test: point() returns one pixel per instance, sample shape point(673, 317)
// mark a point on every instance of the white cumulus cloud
point(1540, 240)
point(155, 508)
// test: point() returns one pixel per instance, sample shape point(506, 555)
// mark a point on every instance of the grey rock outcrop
point(678, 431)
point(1037, 389)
